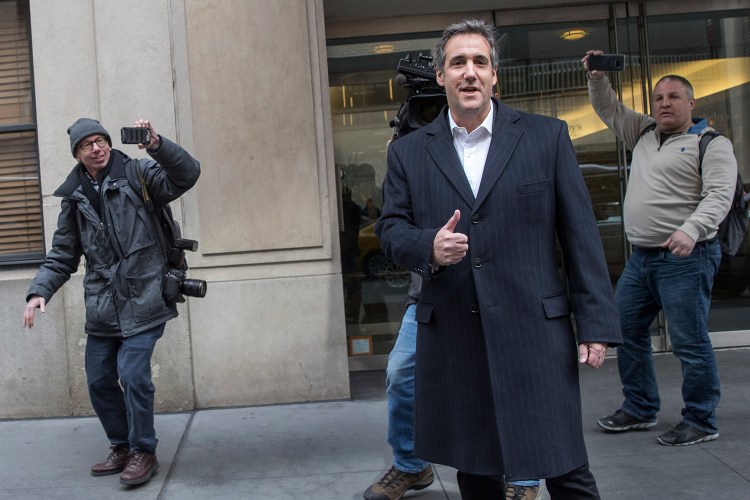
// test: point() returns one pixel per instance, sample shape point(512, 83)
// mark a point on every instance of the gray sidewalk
point(334, 450)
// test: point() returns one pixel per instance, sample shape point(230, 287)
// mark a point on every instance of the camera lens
point(194, 288)
point(428, 112)
point(423, 109)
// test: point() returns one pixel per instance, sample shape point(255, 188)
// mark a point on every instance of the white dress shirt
point(472, 148)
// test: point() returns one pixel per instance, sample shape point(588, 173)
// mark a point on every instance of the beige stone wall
point(243, 86)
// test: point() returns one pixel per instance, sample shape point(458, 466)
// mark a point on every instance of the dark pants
point(119, 378)
point(576, 484)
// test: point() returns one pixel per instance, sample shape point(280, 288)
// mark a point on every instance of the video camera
point(426, 97)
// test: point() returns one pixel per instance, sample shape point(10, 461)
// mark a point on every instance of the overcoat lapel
point(440, 148)
point(505, 137)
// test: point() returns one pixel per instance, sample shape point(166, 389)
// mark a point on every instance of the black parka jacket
point(125, 264)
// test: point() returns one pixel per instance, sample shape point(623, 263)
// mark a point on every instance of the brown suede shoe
point(395, 483)
point(140, 468)
point(115, 462)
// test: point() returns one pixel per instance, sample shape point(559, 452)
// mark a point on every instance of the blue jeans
point(400, 391)
point(654, 280)
point(119, 378)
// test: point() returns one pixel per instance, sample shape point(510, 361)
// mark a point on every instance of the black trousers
point(578, 484)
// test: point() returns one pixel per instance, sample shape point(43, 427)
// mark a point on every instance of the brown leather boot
point(115, 462)
point(140, 468)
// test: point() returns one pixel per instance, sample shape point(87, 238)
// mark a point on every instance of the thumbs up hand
point(448, 247)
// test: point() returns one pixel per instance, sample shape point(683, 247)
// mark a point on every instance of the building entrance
point(540, 72)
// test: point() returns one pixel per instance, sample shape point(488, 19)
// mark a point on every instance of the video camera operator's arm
point(626, 123)
point(173, 173)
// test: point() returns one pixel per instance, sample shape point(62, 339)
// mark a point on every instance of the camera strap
point(170, 240)
point(168, 227)
point(144, 191)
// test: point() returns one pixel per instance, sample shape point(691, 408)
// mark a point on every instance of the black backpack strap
point(705, 139)
point(646, 130)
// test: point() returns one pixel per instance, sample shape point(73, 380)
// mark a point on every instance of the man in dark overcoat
point(475, 202)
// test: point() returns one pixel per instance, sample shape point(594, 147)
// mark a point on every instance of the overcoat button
point(474, 308)
point(477, 262)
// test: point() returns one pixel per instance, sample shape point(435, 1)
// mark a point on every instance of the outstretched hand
point(449, 247)
point(34, 302)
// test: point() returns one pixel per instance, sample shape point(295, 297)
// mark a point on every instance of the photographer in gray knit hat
point(103, 218)
point(84, 127)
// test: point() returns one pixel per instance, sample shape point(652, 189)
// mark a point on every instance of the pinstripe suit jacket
point(497, 374)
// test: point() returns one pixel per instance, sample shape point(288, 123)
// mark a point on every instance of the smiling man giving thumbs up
point(449, 247)
point(497, 393)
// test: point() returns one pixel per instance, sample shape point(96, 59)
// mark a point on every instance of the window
point(21, 231)
point(365, 97)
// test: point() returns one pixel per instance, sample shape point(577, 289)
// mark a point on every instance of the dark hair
point(466, 27)
point(680, 79)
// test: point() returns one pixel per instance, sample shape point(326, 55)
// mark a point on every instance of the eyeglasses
point(86, 146)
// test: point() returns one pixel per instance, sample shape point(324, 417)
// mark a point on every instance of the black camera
point(176, 283)
point(426, 97)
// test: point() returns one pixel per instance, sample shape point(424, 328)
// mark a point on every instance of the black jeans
point(578, 484)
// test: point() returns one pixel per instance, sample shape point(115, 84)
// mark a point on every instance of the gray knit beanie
point(84, 127)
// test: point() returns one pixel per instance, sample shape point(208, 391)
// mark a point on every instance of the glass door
point(539, 72)
point(365, 98)
point(712, 50)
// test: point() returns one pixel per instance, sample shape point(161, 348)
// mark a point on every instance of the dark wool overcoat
point(497, 387)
